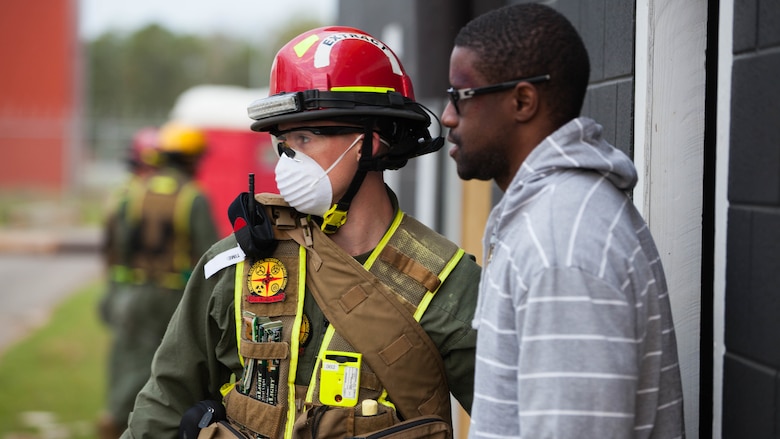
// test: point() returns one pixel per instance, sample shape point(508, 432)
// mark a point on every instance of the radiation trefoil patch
point(266, 281)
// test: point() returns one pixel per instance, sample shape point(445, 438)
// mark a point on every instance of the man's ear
point(377, 144)
point(526, 101)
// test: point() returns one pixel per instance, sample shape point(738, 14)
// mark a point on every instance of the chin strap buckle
point(334, 218)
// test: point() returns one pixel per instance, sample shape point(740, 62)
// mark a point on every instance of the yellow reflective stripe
point(323, 347)
point(227, 387)
point(237, 301)
point(181, 225)
point(135, 202)
point(385, 239)
point(295, 341)
point(121, 274)
point(237, 296)
point(304, 45)
point(426, 300)
point(162, 184)
point(364, 89)
point(128, 275)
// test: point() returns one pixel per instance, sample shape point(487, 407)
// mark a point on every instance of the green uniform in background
point(161, 227)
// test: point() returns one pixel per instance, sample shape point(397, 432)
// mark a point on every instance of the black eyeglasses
point(468, 93)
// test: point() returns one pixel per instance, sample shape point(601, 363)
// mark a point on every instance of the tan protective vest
point(376, 307)
point(157, 248)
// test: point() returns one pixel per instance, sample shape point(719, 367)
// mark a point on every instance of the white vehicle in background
point(234, 151)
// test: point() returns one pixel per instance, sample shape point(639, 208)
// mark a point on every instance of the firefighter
point(329, 312)
point(142, 158)
point(160, 228)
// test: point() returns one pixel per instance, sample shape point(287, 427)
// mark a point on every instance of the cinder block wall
point(607, 28)
point(751, 383)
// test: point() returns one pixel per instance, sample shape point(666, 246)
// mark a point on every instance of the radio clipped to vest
point(251, 226)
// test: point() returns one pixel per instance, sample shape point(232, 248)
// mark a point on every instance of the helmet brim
point(269, 123)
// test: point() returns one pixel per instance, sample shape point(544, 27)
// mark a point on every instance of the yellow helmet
point(178, 138)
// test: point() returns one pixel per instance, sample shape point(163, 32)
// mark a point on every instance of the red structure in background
point(38, 93)
point(234, 151)
point(40, 86)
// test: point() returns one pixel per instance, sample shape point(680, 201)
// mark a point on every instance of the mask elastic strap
point(341, 157)
point(336, 216)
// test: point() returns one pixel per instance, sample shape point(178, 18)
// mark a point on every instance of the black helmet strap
point(336, 216)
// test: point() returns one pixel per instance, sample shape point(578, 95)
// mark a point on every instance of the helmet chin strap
point(336, 216)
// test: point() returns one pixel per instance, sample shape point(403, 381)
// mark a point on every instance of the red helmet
point(335, 72)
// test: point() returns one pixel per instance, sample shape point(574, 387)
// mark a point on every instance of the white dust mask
point(304, 184)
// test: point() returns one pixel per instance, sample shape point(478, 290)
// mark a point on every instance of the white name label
point(222, 260)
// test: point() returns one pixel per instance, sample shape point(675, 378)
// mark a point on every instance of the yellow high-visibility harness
point(181, 259)
point(400, 261)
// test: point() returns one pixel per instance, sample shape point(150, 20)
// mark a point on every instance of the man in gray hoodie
point(575, 331)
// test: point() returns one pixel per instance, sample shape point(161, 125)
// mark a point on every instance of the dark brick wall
point(751, 383)
point(607, 28)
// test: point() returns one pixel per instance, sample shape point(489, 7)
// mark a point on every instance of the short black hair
point(530, 39)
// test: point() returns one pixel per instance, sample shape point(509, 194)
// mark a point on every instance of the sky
point(252, 19)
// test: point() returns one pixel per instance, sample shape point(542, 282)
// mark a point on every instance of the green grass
point(58, 370)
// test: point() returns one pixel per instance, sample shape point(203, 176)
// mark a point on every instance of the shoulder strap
point(392, 341)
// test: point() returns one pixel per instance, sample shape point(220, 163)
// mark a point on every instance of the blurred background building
point(688, 89)
point(40, 94)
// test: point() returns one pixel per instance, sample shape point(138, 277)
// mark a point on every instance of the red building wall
point(38, 49)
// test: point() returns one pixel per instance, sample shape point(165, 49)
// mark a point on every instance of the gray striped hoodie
point(576, 338)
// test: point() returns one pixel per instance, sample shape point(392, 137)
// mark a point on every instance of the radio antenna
point(252, 199)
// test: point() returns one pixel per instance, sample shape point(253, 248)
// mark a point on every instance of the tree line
point(132, 80)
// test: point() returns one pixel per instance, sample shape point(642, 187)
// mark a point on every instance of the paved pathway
point(35, 278)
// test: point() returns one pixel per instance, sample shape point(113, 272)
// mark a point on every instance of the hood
point(577, 145)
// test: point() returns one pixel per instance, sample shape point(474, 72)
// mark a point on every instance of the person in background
point(349, 315)
point(575, 330)
point(142, 158)
point(161, 225)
